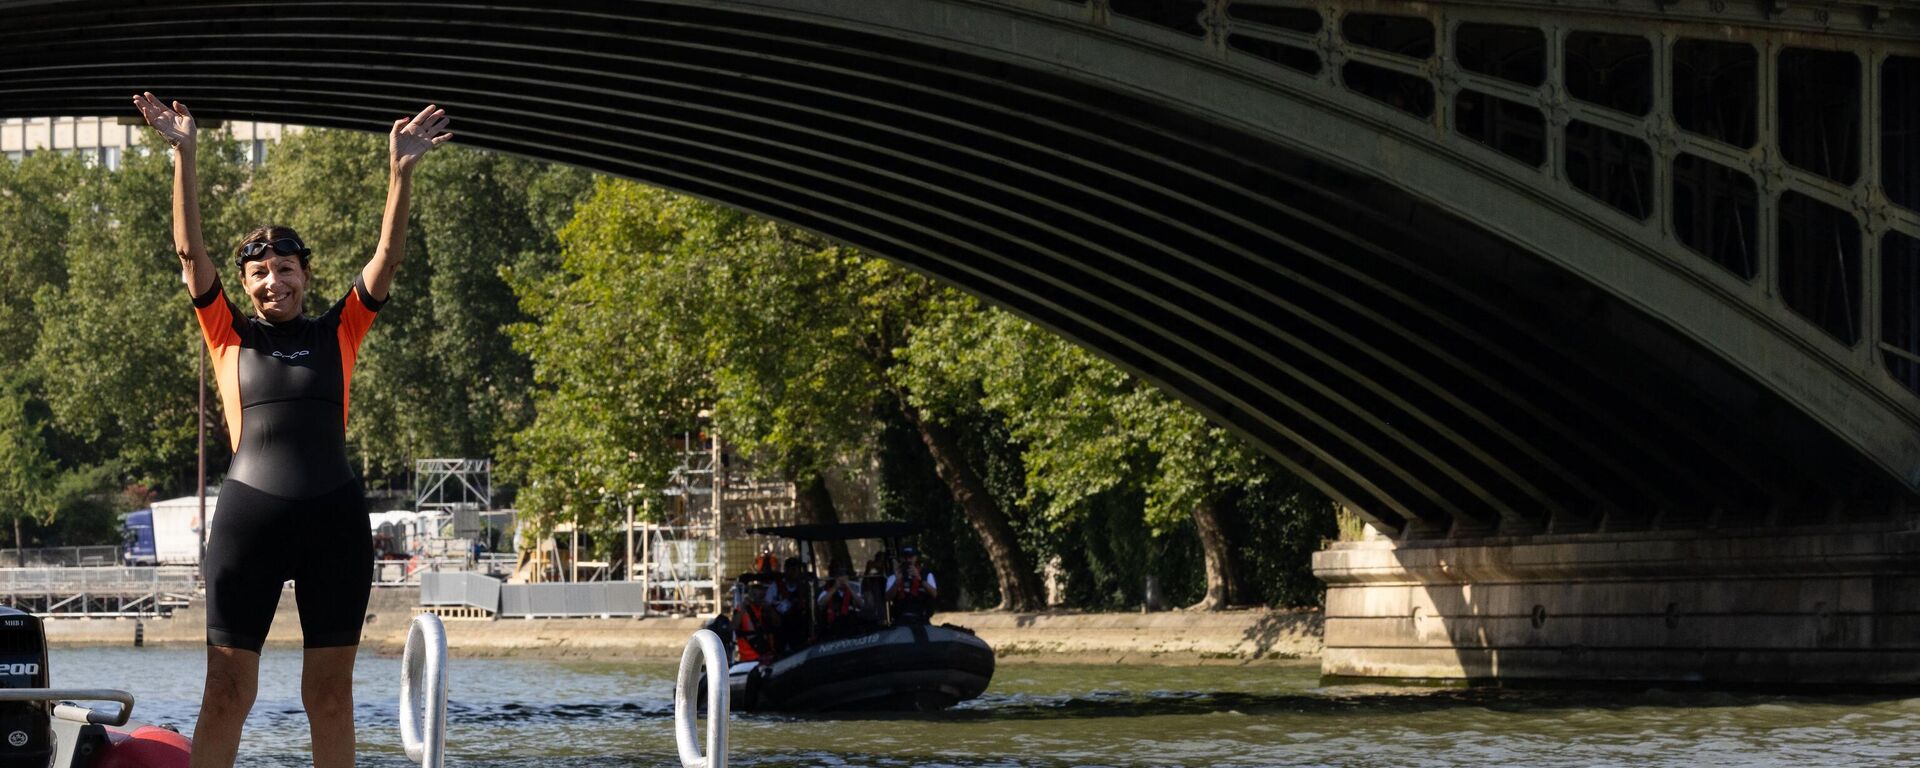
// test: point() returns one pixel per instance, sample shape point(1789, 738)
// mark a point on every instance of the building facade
point(102, 141)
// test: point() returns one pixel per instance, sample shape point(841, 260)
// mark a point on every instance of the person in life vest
point(755, 625)
point(766, 562)
point(911, 589)
point(841, 603)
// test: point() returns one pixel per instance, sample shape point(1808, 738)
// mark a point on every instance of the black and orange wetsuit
point(291, 507)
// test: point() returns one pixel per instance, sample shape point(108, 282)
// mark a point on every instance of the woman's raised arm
point(410, 139)
point(176, 125)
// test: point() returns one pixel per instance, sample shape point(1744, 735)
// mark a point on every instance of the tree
point(119, 373)
point(442, 377)
point(786, 337)
point(1089, 429)
point(39, 197)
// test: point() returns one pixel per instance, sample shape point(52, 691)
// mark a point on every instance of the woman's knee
point(230, 685)
point(327, 696)
point(326, 682)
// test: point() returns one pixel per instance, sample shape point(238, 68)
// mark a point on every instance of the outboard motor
point(26, 729)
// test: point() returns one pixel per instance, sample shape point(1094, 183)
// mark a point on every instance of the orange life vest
point(839, 604)
point(754, 640)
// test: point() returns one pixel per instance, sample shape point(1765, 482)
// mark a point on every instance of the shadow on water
point(1327, 702)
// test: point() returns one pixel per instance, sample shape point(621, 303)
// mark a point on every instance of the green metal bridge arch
point(1488, 268)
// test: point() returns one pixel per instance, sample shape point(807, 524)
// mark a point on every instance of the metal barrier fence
point(406, 573)
point(150, 591)
point(460, 589)
point(103, 555)
point(595, 599)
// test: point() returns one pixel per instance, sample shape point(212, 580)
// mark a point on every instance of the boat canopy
point(839, 531)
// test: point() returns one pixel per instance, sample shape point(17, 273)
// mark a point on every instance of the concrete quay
point(1174, 637)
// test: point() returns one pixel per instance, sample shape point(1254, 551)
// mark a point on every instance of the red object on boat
point(147, 747)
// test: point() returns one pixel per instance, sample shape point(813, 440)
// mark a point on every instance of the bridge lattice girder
point(1459, 297)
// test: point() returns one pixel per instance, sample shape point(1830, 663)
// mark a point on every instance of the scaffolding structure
point(459, 493)
point(691, 544)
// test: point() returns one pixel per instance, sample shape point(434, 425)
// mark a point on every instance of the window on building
point(259, 155)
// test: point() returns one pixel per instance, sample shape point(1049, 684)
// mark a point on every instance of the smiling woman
point(291, 507)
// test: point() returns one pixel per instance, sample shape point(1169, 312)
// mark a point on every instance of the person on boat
point(873, 584)
point(795, 602)
point(911, 589)
point(881, 564)
point(291, 507)
point(841, 603)
point(755, 625)
point(766, 561)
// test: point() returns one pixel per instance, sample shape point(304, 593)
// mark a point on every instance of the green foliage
point(617, 371)
point(782, 335)
point(909, 490)
point(439, 375)
point(573, 327)
point(1096, 441)
point(116, 362)
point(1280, 521)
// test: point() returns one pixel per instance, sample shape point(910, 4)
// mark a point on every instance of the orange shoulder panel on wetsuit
point(217, 318)
point(357, 311)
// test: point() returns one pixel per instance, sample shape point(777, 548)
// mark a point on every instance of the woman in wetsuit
point(290, 507)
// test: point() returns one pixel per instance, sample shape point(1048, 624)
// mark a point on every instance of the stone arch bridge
point(1604, 313)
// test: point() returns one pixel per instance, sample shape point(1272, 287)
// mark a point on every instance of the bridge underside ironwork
point(1484, 268)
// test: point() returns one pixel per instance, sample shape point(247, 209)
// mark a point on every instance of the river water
point(573, 714)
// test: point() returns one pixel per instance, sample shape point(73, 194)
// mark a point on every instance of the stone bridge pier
point(1832, 605)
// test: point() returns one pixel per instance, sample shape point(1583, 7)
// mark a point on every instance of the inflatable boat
point(909, 668)
point(908, 665)
point(40, 727)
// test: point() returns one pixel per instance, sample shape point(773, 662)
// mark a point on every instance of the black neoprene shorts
point(259, 541)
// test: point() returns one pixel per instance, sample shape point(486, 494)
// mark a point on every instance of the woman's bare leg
point(326, 686)
point(233, 678)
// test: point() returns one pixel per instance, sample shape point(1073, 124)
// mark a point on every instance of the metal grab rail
point(67, 710)
point(423, 692)
point(705, 653)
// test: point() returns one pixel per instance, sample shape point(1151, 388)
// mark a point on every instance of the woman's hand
point(175, 125)
point(413, 136)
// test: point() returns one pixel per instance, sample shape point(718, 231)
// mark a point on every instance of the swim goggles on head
point(286, 246)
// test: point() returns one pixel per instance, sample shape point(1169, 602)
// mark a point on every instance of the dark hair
point(268, 234)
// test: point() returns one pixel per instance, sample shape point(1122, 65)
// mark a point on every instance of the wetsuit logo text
point(293, 356)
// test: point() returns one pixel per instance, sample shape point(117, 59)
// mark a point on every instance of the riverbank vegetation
point(571, 326)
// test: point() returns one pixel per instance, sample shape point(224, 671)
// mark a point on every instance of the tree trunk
point(1223, 577)
point(18, 542)
point(815, 505)
point(1019, 585)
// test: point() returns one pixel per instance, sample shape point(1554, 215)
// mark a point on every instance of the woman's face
point(277, 285)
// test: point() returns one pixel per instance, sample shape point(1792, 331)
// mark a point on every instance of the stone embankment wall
point(1174, 637)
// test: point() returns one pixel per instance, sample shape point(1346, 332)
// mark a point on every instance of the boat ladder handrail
point(704, 653)
point(423, 692)
point(423, 697)
point(66, 709)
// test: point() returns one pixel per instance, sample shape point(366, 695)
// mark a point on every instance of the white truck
point(176, 530)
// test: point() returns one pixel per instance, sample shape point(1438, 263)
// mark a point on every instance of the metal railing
point(116, 591)
point(94, 556)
